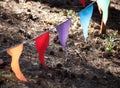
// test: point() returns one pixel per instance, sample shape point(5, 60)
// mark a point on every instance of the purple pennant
point(62, 30)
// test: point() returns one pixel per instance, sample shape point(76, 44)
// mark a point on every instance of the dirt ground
point(91, 64)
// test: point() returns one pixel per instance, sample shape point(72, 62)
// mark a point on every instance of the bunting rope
point(27, 41)
point(88, 5)
point(42, 40)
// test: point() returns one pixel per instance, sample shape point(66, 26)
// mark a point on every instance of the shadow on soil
point(65, 79)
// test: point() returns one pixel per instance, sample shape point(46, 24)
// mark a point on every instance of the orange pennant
point(15, 53)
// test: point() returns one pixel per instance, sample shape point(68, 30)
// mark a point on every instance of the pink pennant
point(41, 46)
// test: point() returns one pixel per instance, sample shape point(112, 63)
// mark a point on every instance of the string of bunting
point(42, 40)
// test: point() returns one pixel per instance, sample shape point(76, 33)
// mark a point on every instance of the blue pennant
point(85, 16)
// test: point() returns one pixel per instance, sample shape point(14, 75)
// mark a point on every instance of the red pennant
point(41, 46)
point(82, 2)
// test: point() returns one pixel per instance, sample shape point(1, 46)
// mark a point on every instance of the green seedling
point(11, 77)
point(1, 73)
point(110, 40)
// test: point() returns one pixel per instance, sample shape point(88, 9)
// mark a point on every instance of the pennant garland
point(15, 53)
point(83, 2)
point(85, 16)
point(41, 46)
point(42, 41)
point(103, 5)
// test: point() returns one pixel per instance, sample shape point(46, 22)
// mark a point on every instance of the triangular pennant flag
point(62, 30)
point(83, 2)
point(15, 53)
point(85, 16)
point(41, 46)
point(103, 5)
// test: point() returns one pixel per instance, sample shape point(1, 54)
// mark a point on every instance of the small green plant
point(11, 77)
point(1, 73)
point(111, 43)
